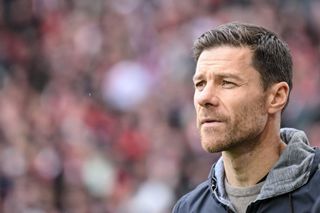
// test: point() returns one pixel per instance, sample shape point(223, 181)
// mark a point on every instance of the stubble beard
point(247, 126)
point(213, 141)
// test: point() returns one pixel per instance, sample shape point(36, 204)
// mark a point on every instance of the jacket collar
point(290, 172)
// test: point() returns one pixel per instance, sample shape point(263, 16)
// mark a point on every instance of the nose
point(206, 97)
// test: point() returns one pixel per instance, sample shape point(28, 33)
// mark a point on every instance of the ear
point(278, 97)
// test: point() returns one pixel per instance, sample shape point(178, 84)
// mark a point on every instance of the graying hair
point(271, 56)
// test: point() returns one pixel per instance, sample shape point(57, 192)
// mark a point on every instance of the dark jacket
point(292, 185)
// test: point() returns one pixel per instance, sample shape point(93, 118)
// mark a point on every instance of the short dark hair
point(271, 56)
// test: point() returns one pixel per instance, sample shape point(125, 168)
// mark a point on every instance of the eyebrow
point(219, 75)
point(197, 77)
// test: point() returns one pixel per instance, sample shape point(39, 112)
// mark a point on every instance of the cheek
point(251, 112)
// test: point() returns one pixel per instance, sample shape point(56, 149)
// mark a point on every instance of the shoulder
point(315, 170)
point(312, 184)
point(200, 199)
point(185, 203)
point(309, 193)
point(316, 206)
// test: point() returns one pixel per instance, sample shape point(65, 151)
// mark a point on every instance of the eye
point(200, 85)
point(228, 84)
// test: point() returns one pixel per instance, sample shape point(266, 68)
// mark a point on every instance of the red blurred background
point(96, 110)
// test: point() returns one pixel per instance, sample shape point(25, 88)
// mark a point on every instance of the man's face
point(229, 98)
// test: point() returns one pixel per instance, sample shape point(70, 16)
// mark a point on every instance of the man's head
point(271, 56)
point(242, 83)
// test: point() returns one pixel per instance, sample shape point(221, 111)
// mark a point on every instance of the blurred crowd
point(96, 110)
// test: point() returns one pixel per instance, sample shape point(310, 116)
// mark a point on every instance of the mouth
point(210, 121)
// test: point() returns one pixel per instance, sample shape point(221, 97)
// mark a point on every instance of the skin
point(236, 116)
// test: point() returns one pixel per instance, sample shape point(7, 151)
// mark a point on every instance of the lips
point(209, 120)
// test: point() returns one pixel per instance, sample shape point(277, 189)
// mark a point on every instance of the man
point(242, 84)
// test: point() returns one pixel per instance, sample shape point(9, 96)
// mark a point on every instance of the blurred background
point(96, 110)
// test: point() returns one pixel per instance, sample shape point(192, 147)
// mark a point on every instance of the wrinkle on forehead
point(225, 54)
point(218, 59)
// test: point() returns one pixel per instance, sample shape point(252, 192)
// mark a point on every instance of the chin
point(212, 146)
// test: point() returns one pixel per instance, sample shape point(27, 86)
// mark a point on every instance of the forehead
point(225, 59)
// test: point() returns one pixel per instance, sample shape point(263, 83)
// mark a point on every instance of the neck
point(246, 165)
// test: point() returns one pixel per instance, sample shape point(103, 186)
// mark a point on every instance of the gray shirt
point(241, 197)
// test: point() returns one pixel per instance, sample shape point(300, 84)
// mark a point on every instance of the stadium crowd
point(96, 110)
